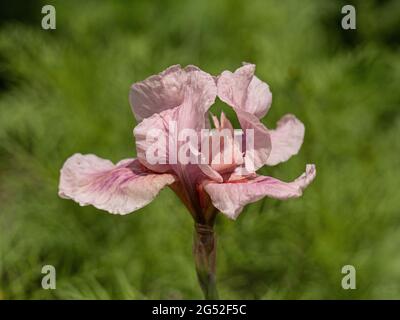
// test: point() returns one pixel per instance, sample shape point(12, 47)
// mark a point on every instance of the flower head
point(210, 167)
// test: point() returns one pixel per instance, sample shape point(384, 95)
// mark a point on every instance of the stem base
point(204, 251)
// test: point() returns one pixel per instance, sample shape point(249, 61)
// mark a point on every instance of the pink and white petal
point(240, 173)
point(226, 152)
point(243, 90)
point(215, 121)
point(161, 131)
point(158, 92)
point(200, 88)
point(211, 173)
point(232, 87)
point(257, 146)
point(286, 139)
point(259, 98)
point(152, 140)
point(230, 198)
point(168, 89)
point(118, 189)
point(225, 123)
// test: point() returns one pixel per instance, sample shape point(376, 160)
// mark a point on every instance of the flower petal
point(118, 189)
point(226, 153)
point(257, 146)
point(152, 140)
point(215, 121)
point(230, 198)
point(199, 94)
point(158, 92)
point(168, 89)
point(286, 139)
point(161, 131)
point(225, 123)
point(243, 90)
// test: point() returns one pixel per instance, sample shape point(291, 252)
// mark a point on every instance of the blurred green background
point(66, 90)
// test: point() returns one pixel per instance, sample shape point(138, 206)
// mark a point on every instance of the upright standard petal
point(119, 189)
point(230, 198)
point(243, 90)
point(167, 90)
point(158, 92)
point(165, 129)
point(286, 139)
point(170, 125)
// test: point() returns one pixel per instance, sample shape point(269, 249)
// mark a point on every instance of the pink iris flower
point(183, 96)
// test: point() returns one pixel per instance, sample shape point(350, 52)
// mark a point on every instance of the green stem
point(204, 251)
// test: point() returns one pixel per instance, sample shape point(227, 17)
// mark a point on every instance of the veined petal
point(168, 89)
point(153, 136)
point(199, 93)
point(243, 90)
point(286, 139)
point(230, 198)
point(119, 189)
point(160, 131)
point(257, 144)
point(158, 92)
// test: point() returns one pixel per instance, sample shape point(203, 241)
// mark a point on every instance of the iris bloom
point(183, 96)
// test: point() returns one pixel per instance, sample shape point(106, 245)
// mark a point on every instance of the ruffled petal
point(158, 92)
point(286, 139)
point(119, 189)
point(168, 90)
point(162, 129)
point(243, 90)
point(153, 137)
point(230, 198)
point(157, 147)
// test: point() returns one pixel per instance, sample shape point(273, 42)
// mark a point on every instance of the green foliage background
point(66, 91)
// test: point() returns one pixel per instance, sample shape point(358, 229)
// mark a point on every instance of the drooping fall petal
point(243, 90)
point(230, 198)
point(119, 189)
point(286, 139)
